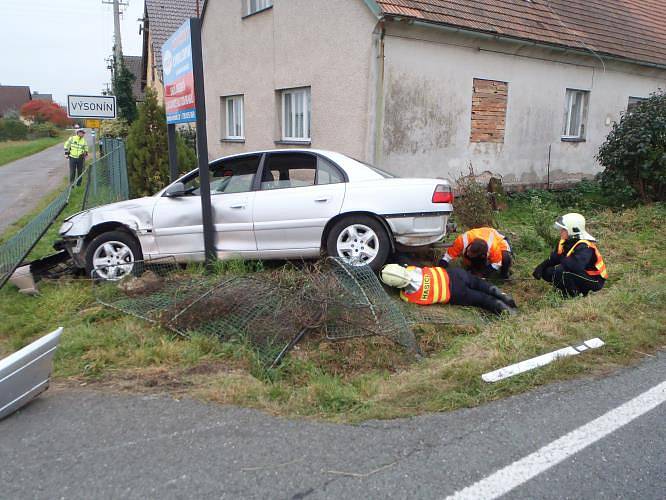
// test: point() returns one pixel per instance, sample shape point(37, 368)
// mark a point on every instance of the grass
point(372, 378)
point(15, 150)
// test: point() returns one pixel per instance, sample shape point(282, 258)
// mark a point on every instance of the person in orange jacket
point(436, 285)
point(483, 250)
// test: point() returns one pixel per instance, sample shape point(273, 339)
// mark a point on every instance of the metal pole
point(202, 146)
point(173, 152)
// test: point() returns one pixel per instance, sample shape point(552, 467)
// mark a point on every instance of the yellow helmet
point(395, 276)
point(574, 224)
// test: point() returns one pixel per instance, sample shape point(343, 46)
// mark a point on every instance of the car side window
point(289, 170)
point(327, 173)
point(228, 176)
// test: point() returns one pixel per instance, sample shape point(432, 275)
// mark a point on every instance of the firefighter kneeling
point(436, 285)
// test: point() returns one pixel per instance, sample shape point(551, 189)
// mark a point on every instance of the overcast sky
point(59, 47)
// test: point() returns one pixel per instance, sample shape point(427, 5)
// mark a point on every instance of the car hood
point(136, 214)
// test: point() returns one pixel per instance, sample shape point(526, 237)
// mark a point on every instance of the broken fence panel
point(539, 361)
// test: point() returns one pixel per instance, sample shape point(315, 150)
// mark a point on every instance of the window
point(252, 6)
point(575, 114)
point(296, 115)
point(489, 98)
point(327, 173)
point(634, 102)
point(229, 176)
point(233, 109)
point(288, 171)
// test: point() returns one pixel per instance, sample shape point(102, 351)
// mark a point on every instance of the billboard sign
point(179, 76)
point(91, 106)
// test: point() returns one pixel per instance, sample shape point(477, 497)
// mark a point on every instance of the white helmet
point(395, 275)
point(574, 224)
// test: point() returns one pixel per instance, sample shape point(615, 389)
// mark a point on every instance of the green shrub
point(45, 129)
point(472, 206)
point(114, 129)
point(543, 215)
point(12, 129)
point(634, 154)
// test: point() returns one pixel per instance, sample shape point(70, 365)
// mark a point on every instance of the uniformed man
point(436, 285)
point(483, 250)
point(76, 150)
point(576, 267)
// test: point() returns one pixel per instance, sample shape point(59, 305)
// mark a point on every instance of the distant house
point(135, 66)
point(43, 97)
point(160, 19)
point(526, 90)
point(12, 97)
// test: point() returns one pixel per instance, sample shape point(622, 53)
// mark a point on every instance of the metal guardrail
point(106, 182)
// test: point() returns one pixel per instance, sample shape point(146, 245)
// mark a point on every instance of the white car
point(279, 204)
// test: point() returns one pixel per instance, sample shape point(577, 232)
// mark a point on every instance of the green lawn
point(14, 150)
point(372, 378)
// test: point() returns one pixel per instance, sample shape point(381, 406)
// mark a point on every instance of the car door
point(177, 221)
point(298, 194)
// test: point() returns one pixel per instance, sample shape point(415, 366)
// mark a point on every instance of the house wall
point(153, 77)
point(428, 100)
point(324, 44)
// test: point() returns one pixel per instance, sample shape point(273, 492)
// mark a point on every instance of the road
point(85, 444)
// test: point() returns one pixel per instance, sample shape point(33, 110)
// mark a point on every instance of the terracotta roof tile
point(12, 97)
point(134, 65)
point(629, 29)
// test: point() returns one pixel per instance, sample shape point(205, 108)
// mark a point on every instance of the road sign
point(93, 123)
point(91, 106)
point(178, 72)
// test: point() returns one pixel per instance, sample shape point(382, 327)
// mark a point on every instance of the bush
point(118, 128)
point(38, 130)
point(39, 111)
point(472, 207)
point(12, 130)
point(634, 154)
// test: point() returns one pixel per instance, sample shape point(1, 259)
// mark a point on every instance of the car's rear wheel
point(359, 240)
point(112, 256)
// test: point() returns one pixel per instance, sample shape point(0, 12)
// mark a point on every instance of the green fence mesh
point(106, 182)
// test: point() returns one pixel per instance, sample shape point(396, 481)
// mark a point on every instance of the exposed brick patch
point(488, 111)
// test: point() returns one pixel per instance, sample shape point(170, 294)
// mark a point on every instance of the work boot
point(499, 307)
point(504, 297)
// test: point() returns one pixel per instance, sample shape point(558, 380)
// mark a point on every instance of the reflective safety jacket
point(434, 287)
point(76, 146)
point(595, 268)
point(495, 240)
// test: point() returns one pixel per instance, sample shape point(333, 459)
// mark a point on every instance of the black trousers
point(75, 169)
point(469, 290)
point(570, 284)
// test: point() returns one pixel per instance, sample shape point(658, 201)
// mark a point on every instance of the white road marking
point(517, 473)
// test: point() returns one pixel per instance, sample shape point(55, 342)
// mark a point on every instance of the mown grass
point(373, 378)
point(15, 150)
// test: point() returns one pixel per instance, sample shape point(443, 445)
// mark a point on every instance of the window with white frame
point(252, 6)
point(634, 102)
point(575, 114)
point(296, 114)
point(233, 112)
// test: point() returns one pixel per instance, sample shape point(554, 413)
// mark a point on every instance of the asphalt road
point(86, 444)
point(24, 182)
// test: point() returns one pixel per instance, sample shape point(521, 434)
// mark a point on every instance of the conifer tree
point(123, 80)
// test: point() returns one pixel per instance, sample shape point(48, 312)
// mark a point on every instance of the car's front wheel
point(359, 240)
point(112, 255)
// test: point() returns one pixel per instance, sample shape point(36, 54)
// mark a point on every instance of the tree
point(634, 153)
point(123, 80)
point(147, 149)
point(41, 111)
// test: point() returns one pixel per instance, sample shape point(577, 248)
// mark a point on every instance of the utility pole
point(117, 42)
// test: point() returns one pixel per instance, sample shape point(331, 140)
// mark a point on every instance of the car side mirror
point(175, 190)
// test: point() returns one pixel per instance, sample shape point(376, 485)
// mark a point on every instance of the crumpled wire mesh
point(106, 178)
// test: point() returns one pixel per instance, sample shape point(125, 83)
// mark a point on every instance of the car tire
point(359, 239)
point(119, 249)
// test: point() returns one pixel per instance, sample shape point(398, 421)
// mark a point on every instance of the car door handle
point(237, 206)
point(321, 200)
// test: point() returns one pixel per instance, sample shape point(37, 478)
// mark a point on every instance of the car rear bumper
point(416, 230)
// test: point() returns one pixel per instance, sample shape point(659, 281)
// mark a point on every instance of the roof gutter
point(374, 8)
point(522, 41)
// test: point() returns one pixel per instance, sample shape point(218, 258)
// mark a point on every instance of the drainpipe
point(379, 98)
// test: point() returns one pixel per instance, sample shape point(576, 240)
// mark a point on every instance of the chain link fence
point(105, 181)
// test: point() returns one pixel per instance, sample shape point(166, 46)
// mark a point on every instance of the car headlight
point(66, 226)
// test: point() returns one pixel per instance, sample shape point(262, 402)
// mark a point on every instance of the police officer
point(576, 267)
point(483, 249)
point(76, 150)
point(436, 285)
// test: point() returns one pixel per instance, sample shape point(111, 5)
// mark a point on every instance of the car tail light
point(442, 194)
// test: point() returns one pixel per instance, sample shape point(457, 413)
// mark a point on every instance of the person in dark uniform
point(456, 286)
point(576, 267)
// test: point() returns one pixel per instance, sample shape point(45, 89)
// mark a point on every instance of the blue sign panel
point(179, 76)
